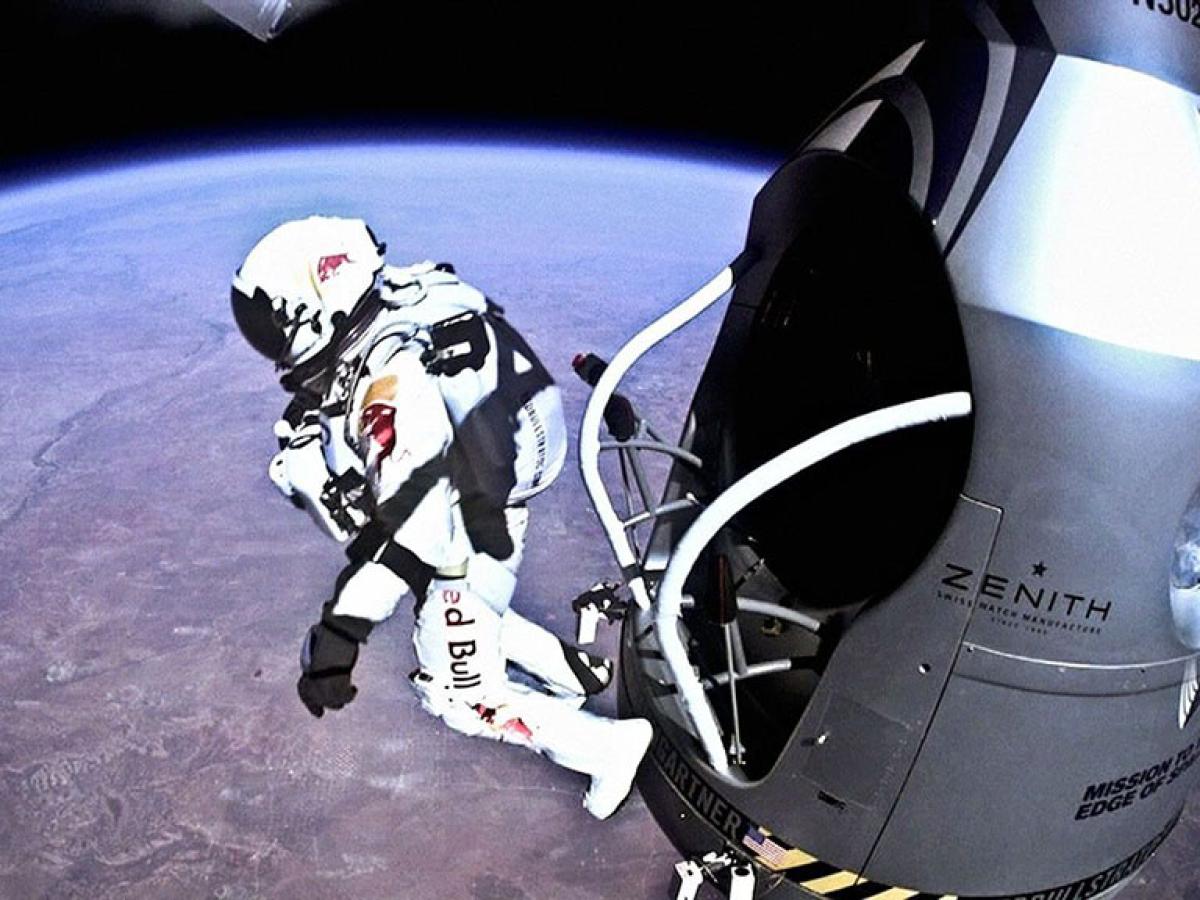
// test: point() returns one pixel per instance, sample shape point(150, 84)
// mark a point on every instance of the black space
point(105, 76)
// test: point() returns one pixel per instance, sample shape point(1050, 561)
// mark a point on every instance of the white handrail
point(606, 386)
point(669, 596)
point(775, 610)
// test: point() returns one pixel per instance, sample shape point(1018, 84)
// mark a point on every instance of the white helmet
point(301, 282)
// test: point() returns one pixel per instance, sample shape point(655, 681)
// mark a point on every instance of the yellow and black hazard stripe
point(825, 880)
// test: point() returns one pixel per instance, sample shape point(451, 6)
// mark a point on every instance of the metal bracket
point(690, 874)
point(598, 603)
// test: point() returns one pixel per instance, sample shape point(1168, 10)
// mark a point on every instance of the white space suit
point(425, 429)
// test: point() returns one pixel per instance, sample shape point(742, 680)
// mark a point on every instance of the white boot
point(612, 785)
point(608, 750)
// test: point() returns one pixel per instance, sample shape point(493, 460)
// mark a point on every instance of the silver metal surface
point(262, 18)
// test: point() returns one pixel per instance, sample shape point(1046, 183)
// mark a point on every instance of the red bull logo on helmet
point(327, 266)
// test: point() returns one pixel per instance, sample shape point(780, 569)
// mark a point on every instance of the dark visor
point(258, 324)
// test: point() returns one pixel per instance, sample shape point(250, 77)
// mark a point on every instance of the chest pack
point(501, 400)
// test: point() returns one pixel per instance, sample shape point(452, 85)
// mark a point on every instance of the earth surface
point(156, 588)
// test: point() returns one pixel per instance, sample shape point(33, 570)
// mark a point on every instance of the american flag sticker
point(774, 856)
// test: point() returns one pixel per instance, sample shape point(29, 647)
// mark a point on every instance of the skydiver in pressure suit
point(421, 423)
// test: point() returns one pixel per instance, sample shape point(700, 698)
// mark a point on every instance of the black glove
point(327, 659)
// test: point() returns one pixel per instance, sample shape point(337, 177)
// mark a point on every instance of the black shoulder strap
point(509, 344)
